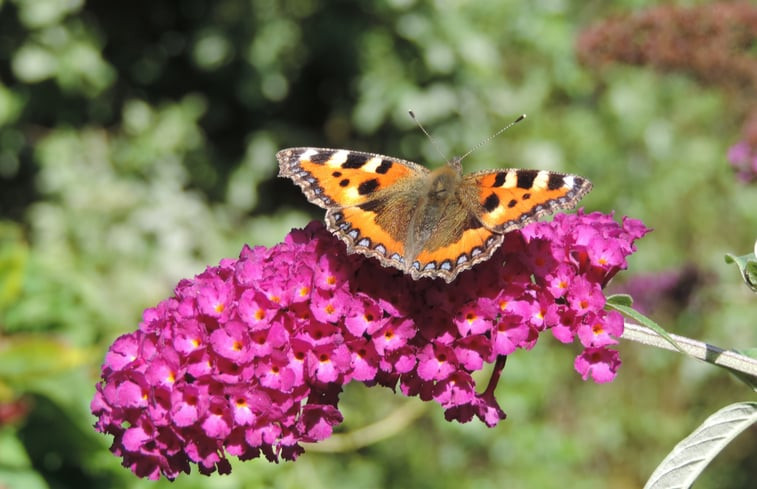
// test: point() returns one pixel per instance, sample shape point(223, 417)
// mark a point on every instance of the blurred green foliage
point(137, 145)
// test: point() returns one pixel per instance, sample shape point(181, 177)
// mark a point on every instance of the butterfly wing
point(459, 242)
point(379, 206)
point(505, 200)
point(369, 198)
point(488, 204)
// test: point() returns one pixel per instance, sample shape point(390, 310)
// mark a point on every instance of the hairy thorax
point(438, 201)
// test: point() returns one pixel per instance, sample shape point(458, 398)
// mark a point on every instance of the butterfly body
point(426, 223)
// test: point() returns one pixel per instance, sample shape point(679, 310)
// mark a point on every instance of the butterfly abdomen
point(434, 199)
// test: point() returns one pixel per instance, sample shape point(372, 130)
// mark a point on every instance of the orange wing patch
point(475, 245)
point(510, 199)
point(359, 230)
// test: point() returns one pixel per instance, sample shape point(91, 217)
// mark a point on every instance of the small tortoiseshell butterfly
point(426, 223)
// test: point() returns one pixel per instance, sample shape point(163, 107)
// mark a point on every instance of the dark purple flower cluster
point(250, 357)
point(707, 41)
point(666, 291)
point(743, 159)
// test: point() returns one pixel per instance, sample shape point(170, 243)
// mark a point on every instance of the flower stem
point(499, 365)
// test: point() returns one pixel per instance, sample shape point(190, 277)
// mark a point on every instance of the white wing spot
point(511, 179)
point(541, 180)
point(338, 158)
point(372, 164)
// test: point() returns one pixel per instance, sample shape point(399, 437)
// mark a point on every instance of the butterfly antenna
point(433, 141)
point(486, 141)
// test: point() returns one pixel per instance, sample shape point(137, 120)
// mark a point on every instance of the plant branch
point(698, 349)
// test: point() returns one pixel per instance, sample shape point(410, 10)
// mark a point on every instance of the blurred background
point(137, 144)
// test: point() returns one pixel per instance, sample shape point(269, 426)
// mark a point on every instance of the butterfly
point(425, 223)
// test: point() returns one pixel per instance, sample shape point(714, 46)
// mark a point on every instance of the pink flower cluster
point(250, 357)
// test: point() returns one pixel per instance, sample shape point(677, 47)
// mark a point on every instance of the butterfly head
point(457, 164)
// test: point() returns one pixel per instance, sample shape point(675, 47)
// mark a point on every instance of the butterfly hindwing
point(369, 198)
point(358, 229)
point(464, 243)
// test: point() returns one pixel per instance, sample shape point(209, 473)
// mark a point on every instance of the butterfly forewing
point(511, 199)
point(343, 178)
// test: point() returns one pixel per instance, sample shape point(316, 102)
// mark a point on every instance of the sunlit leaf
point(688, 459)
point(747, 266)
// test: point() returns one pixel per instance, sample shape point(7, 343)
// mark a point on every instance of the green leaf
point(620, 299)
point(27, 478)
point(641, 319)
point(13, 258)
point(749, 380)
point(688, 459)
point(747, 352)
point(28, 359)
point(747, 266)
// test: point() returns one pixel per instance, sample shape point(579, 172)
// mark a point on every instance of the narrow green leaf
point(25, 359)
point(13, 262)
point(745, 378)
point(645, 321)
point(747, 266)
point(621, 299)
point(749, 352)
point(749, 380)
point(688, 459)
